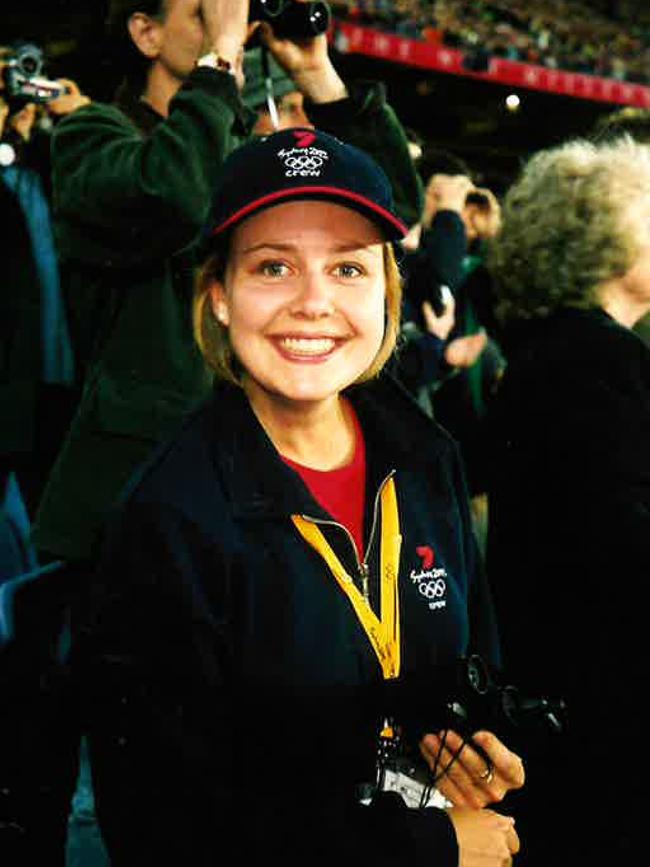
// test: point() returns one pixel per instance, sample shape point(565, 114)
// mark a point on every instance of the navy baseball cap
point(301, 164)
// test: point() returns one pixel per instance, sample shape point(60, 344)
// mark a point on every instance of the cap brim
point(393, 227)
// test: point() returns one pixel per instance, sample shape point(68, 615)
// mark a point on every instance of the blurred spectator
point(38, 390)
point(448, 248)
point(636, 123)
point(569, 495)
point(37, 383)
point(433, 255)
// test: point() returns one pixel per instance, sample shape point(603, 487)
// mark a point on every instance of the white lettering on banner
point(382, 44)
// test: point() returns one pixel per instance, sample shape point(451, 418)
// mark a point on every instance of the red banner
point(352, 39)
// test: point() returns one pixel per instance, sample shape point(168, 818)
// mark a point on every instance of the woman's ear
point(219, 303)
point(146, 34)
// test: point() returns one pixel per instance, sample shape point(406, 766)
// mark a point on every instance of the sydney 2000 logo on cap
point(304, 160)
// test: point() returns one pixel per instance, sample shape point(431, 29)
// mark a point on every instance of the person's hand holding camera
point(70, 100)
point(308, 62)
point(482, 214)
point(445, 193)
point(464, 776)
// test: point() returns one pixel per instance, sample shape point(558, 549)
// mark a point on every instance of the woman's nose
point(315, 297)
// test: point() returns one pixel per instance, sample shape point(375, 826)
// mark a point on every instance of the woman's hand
point(445, 193)
point(464, 351)
point(308, 63)
point(485, 838)
point(462, 774)
point(70, 100)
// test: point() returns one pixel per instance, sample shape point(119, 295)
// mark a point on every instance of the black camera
point(464, 696)
point(291, 19)
point(22, 76)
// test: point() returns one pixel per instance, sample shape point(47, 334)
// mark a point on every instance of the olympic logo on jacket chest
point(430, 580)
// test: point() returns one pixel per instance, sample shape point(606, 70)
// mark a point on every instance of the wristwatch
point(214, 61)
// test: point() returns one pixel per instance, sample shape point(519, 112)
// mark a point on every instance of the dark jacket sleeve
point(418, 360)
point(119, 194)
point(438, 260)
point(367, 121)
point(140, 670)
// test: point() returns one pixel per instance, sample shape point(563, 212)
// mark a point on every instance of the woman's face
point(303, 299)
point(636, 281)
point(181, 37)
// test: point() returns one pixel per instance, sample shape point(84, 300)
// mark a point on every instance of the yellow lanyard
point(384, 634)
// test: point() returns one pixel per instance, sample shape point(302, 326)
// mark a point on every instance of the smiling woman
point(287, 288)
point(257, 582)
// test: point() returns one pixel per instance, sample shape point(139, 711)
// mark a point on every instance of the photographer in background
point(434, 251)
point(36, 367)
point(472, 215)
point(449, 358)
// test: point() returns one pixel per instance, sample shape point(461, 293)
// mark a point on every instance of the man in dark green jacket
point(132, 185)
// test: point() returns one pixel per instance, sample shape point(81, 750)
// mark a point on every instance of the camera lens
point(291, 19)
point(319, 18)
point(29, 60)
point(304, 19)
point(260, 10)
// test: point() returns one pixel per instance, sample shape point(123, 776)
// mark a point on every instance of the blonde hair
point(213, 339)
point(569, 224)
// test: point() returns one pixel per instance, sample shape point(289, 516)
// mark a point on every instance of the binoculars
point(291, 19)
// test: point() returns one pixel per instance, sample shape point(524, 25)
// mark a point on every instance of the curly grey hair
point(574, 219)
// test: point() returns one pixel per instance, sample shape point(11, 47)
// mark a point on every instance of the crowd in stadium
point(555, 33)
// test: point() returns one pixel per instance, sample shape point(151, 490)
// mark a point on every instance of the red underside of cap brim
point(331, 193)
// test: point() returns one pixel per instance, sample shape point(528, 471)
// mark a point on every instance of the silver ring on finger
point(487, 776)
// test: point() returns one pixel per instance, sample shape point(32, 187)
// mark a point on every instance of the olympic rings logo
point(303, 162)
point(432, 589)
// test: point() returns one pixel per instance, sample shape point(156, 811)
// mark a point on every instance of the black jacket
point(569, 557)
point(234, 700)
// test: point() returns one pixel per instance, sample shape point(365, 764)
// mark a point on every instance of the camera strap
point(383, 632)
point(268, 89)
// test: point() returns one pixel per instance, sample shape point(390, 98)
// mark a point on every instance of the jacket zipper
point(363, 570)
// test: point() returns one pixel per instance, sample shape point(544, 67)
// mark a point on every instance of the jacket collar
point(259, 485)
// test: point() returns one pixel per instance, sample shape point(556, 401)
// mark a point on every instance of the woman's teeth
point(308, 345)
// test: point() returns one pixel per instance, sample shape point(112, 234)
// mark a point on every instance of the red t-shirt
point(342, 491)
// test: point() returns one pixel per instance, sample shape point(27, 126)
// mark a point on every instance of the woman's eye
point(347, 270)
point(274, 269)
